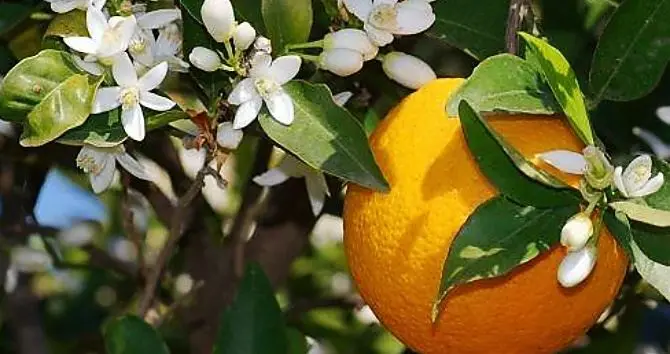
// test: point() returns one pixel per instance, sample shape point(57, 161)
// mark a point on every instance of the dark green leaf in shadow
point(652, 240)
point(131, 335)
point(619, 226)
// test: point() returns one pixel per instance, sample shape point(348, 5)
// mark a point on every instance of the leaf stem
point(307, 45)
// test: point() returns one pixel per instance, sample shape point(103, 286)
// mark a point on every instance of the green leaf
point(326, 136)
point(507, 169)
point(181, 90)
point(505, 83)
point(653, 240)
point(131, 335)
point(253, 324)
point(476, 27)
point(618, 225)
point(633, 51)
point(656, 274)
point(660, 199)
point(497, 237)
point(287, 21)
point(65, 107)
point(70, 24)
point(563, 83)
point(31, 80)
point(12, 13)
point(105, 129)
point(297, 343)
point(250, 11)
point(643, 213)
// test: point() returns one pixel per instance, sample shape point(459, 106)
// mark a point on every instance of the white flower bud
point(227, 137)
point(576, 232)
point(342, 62)
point(244, 36)
point(407, 70)
point(262, 44)
point(353, 39)
point(81, 234)
point(205, 59)
point(219, 19)
point(576, 266)
point(30, 260)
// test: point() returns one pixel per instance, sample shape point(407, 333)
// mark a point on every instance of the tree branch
point(518, 9)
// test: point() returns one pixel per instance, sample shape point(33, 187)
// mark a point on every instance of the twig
point(517, 12)
point(155, 272)
point(177, 303)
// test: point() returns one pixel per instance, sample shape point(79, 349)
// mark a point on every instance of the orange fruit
point(396, 243)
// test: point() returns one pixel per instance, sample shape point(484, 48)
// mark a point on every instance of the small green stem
point(307, 45)
point(229, 50)
point(596, 231)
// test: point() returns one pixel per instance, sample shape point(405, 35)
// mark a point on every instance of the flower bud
point(262, 44)
point(576, 232)
point(205, 59)
point(576, 266)
point(227, 137)
point(407, 70)
point(342, 62)
point(244, 36)
point(30, 260)
point(219, 19)
point(598, 168)
point(353, 39)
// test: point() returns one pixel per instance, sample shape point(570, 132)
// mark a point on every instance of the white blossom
point(63, 6)
point(78, 235)
point(342, 98)
point(317, 189)
point(663, 114)
point(636, 181)
point(205, 59)
point(576, 232)
point(243, 36)
point(264, 84)
point(407, 70)
point(30, 260)
point(342, 62)
point(131, 93)
point(384, 18)
point(107, 38)
point(100, 165)
point(591, 163)
point(658, 146)
point(157, 19)
point(228, 137)
point(352, 39)
point(219, 19)
point(576, 266)
point(263, 45)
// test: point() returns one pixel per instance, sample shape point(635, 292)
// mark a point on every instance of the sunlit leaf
point(70, 24)
point(643, 213)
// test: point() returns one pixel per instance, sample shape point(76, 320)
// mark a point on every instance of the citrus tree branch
point(518, 9)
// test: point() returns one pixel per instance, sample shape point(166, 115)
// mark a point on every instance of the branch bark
point(518, 9)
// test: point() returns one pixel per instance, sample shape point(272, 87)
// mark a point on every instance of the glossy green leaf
point(660, 199)
point(326, 136)
point(131, 335)
point(65, 107)
point(192, 8)
point(656, 274)
point(633, 51)
point(507, 169)
point(69, 24)
point(30, 81)
point(297, 343)
point(476, 27)
point(181, 90)
point(643, 213)
point(253, 324)
point(497, 237)
point(652, 240)
point(505, 83)
point(287, 21)
point(618, 225)
point(105, 129)
point(563, 83)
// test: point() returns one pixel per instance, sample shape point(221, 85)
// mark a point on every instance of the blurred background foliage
point(318, 298)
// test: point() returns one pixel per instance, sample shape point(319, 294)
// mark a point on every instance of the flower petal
point(124, 72)
point(155, 102)
point(133, 122)
point(96, 23)
point(663, 113)
point(576, 267)
point(317, 189)
point(638, 172)
point(618, 181)
point(411, 20)
point(62, 7)
point(153, 77)
point(228, 137)
point(378, 37)
point(285, 68)
point(247, 112)
point(566, 161)
point(243, 92)
point(652, 186)
point(102, 180)
point(106, 99)
point(133, 166)
point(342, 98)
point(658, 146)
point(81, 44)
point(280, 106)
point(271, 177)
point(384, 2)
point(419, 5)
point(360, 8)
point(260, 65)
point(90, 67)
point(158, 18)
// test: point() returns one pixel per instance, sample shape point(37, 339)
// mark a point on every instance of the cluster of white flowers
point(577, 235)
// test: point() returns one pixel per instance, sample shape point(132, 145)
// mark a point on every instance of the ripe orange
point(396, 243)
